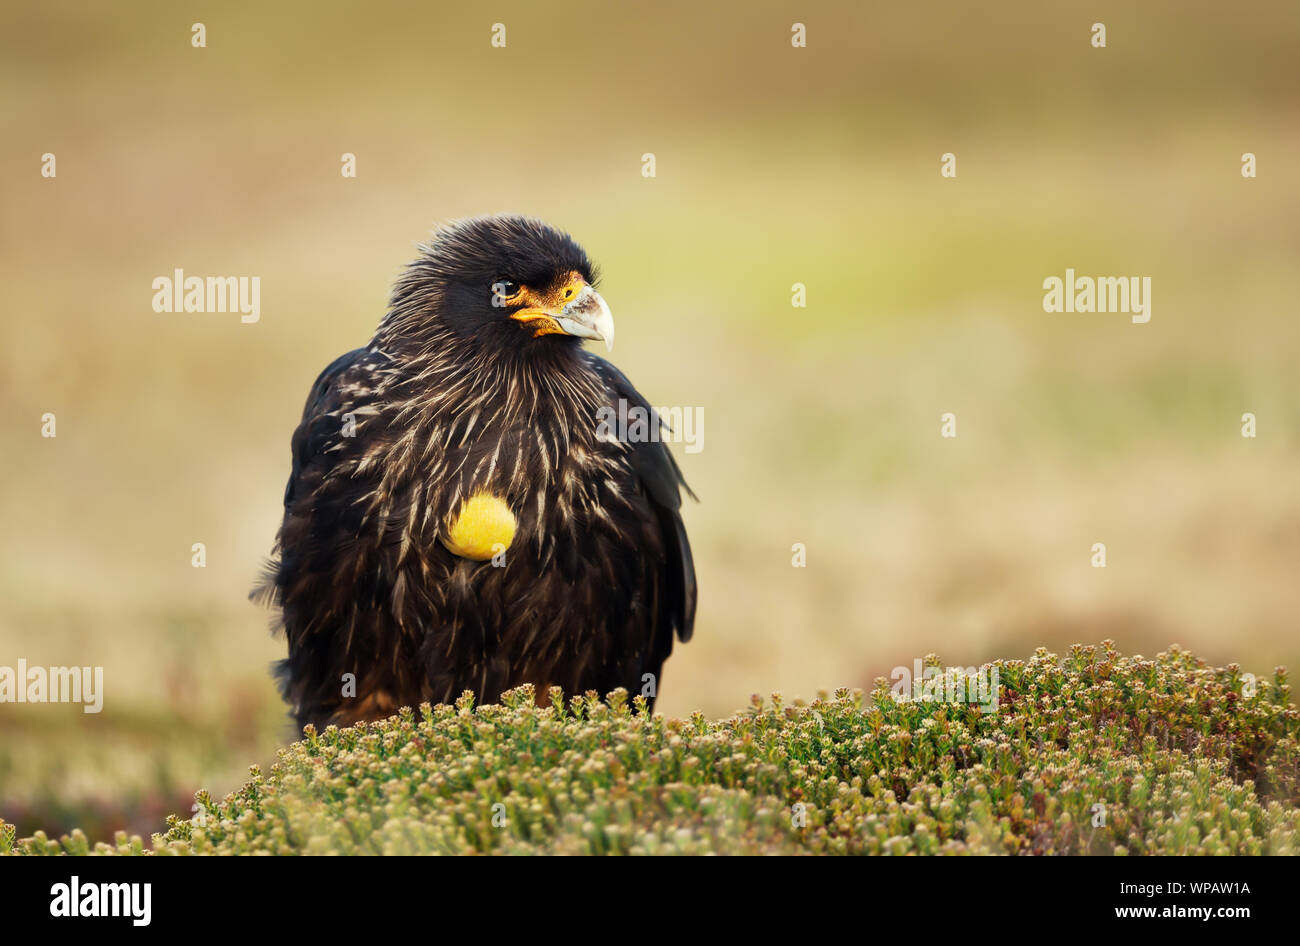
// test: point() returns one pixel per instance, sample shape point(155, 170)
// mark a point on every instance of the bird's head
point(508, 283)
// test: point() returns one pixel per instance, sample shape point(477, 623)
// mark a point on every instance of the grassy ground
point(821, 424)
point(1093, 754)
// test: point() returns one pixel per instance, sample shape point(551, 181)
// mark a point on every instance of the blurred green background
point(775, 165)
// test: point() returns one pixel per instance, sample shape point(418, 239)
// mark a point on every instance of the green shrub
point(1183, 761)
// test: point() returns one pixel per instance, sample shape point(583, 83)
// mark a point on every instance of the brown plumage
point(475, 382)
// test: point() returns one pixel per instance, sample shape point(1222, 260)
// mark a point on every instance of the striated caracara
point(456, 518)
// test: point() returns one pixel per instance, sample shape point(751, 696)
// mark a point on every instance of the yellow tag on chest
point(484, 527)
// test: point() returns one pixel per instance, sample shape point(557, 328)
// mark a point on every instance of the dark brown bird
point(457, 517)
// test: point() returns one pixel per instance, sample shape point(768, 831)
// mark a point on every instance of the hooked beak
point(588, 317)
point(585, 315)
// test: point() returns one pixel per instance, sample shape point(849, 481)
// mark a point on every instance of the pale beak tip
point(589, 317)
point(604, 322)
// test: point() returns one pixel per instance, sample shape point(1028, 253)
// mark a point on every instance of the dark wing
point(663, 482)
point(317, 548)
point(331, 396)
